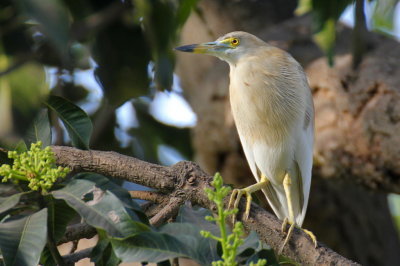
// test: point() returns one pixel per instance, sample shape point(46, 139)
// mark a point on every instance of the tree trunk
point(357, 123)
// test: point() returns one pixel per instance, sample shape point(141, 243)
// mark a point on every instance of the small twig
point(76, 232)
point(170, 210)
point(360, 29)
point(70, 259)
point(74, 246)
point(152, 196)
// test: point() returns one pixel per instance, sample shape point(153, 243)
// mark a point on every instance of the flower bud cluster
point(36, 166)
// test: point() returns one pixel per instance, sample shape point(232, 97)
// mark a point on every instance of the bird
point(273, 110)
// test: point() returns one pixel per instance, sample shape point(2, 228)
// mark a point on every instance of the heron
point(273, 110)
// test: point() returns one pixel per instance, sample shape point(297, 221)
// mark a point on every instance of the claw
point(232, 198)
point(235, 199)
point(238, 193)
point(312, 236)
point(248, 204)
point(289, 234)
point(233, 202)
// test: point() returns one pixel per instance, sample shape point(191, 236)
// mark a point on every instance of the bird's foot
point(238, 193)
point(289, 233)
point(235, 199)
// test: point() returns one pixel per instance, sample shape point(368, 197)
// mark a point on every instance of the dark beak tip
point(186, 48)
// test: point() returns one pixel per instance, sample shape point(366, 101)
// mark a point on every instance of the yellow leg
point(311, 235)
point(289, 233)
point(238, 193)
point(284, 224)
point(287, 182)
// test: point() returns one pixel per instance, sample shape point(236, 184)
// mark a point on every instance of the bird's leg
point(284, 225)
point(287, 182)
point(238, 193)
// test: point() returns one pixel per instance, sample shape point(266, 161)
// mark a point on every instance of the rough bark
point(187, 181)
point(357, 125)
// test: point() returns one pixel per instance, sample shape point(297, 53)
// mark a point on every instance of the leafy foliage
point(124, 231)
point(100, 208)
point(40, 130)
point(75, 120)
point(327, 13)
point(383, 16)
point(22, 240)
point(117, 41)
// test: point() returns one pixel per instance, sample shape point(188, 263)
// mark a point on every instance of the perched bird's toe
point(289, 234)
point(235, 199)
point(312, 236)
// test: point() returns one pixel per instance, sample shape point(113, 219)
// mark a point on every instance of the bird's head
point(229, 47)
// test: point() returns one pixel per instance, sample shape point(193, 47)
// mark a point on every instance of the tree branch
point(170, 210)
point(76, 232)
point(70, 259)
point(190, 181)
point(149, 196)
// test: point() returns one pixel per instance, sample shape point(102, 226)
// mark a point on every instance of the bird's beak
point(203, 48)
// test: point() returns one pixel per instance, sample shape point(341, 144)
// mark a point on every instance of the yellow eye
point(235, 41)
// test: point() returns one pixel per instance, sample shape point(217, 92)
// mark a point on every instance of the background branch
point(76, 232)
point(70, 259)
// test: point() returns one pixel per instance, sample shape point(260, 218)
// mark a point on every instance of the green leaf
point(22, 240)
point(383, 16)
point(102, 253)
point(326, 14)
point(100, 208)
point(251, 242)
point(5, 103)
point(196, 217)
point(184, 9)
point(46, 258)
point(326, 37)
point(52, 18)
point(40, 129)
point(123, 62)
point(159, 246)
point(75, 120)
point(123, 195)
point(60, 214)
point(267, 254)
point(21, 147)
point(28, 90)
point(7, 203)
point(303, 7)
